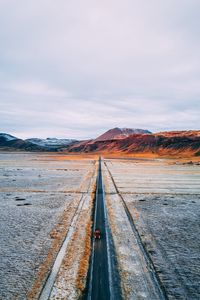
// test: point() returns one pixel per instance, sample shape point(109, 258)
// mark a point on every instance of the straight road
point(99, 287)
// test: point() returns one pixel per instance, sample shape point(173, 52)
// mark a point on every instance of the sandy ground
point(164, 201)
point(39, 195)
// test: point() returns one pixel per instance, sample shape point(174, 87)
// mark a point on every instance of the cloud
point(75, 68)
point(36, 89)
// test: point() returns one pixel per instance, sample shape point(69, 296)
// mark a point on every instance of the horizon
point(74, 69)
point(94, 137)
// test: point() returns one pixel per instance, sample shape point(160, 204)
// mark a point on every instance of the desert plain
point(47, 201)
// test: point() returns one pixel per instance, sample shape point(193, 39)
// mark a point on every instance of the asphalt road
point(99, 278)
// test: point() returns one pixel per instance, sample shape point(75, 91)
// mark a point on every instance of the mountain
point(164, 143)
point(7, 137)
point(115, 141)
point(119, 133)
point(9, 142)
point(182, 133)
point(51, 143)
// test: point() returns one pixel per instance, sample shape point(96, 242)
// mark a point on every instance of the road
point(99, 288)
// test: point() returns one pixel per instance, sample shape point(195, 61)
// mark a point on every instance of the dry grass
point(84, 262)
point(71, 279)
point(148, 155)
point(78, 251)
point(117, 154)
point(57, 234)
point(63, 157)
point(86, 180)
point(74, 268)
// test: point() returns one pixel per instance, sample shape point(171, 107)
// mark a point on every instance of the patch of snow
point(8, 137)
point(51, 142)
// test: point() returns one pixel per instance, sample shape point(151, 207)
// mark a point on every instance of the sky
point(74, 68)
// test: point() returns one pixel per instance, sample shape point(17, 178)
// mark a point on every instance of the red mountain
point(164, 143)
point(119, 133)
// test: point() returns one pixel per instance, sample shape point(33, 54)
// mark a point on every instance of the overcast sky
point(74, 68)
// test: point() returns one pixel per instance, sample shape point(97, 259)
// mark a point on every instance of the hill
point(9, 142)
point(164, 143)
point(115, 141)
point(119, 133)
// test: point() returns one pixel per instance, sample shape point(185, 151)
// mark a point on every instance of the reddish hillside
point(165, 143)
point(119, 133)
point(182, 133)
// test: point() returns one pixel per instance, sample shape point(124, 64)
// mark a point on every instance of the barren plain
point(154, 210)
point(46, 202)
point(41, 196)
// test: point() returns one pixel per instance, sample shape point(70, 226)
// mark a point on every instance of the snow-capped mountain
point(11, 143)
point(51, 142)
point(7, 137)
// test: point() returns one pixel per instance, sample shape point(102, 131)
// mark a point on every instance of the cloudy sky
point(74, 68)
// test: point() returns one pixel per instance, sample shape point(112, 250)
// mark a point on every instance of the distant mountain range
point(116, 140)
point(52, 143)
point(9, 142)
